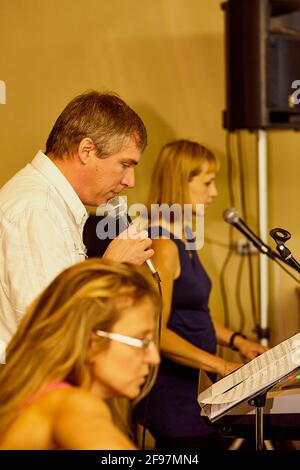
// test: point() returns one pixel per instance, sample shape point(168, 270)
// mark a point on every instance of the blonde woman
point(87, 339)
point(185, 174)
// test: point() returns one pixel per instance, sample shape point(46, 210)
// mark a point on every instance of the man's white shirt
point(41, 225)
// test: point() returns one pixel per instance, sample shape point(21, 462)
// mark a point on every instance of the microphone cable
point(117, 208)
point(154, 371)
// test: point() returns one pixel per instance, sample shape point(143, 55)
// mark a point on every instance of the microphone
point(232, 217)
point(117, 207)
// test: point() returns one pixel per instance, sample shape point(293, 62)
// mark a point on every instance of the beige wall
point(165, 58)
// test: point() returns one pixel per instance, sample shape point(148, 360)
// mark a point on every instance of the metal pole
point(263, 232)
point(259, 428)
point(259, 402)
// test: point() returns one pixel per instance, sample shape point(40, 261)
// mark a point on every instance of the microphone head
point(231, 215)
point(115, 207)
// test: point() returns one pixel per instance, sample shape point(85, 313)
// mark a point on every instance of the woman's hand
point(247, 348)
point(230, 367)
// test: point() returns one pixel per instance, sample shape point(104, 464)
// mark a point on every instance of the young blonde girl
point(86, 340)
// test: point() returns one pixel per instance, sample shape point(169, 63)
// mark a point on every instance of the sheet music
point(255, 376)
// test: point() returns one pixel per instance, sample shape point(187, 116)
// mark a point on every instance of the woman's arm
point(173, 346)
point(246, 348)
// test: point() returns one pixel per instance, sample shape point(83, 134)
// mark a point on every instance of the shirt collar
point(49, 170)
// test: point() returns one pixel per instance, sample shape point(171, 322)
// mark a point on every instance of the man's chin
point(111, 195)
point(106, 199)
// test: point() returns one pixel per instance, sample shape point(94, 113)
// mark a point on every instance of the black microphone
point(117, 207)
point(231, 216)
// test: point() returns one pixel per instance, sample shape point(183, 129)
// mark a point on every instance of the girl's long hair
point(52, 342)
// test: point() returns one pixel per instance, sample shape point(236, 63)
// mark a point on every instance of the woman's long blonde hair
point(176, 165)
point(52, 342)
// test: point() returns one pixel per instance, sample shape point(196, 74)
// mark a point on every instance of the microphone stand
point(262, 247)
point(288, 258)
point(281, 236)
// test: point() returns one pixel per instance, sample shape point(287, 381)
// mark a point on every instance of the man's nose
point(128, 179)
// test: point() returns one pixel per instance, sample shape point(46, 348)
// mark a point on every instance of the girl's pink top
point(46, 389)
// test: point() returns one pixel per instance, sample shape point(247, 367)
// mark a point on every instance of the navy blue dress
point(172, 409)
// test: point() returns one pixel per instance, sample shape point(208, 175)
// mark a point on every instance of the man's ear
point(85, 146)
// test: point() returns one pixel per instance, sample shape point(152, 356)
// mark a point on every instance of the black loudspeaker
point(262, 64)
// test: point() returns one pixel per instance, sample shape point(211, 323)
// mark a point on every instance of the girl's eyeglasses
point(145, 343)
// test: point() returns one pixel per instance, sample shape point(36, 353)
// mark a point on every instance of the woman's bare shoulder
point(166, 257)
point(76, 398)
point(165, 246)
point(84, 421)
point(33, 426)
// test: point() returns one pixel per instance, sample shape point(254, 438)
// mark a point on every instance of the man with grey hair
point(90, 157)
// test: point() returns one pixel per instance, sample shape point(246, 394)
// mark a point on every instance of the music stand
point(259, 402)
point(251, 383)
